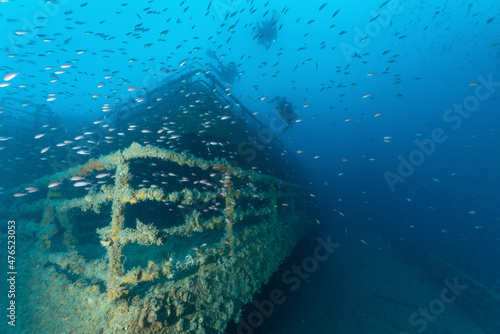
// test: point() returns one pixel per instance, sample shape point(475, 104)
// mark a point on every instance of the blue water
point(398, 101)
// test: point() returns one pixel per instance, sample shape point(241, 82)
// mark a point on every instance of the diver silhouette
point(285, 110)
point(266, 32)
point(226, 73)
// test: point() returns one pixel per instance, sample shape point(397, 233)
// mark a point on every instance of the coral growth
point(90, 167)
point(239, 245)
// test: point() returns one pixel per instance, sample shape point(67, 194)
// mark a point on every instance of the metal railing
point(239, 245)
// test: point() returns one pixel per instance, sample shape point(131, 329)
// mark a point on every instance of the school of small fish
point(62, 59)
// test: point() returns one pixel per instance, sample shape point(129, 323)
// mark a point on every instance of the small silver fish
point(81, 184)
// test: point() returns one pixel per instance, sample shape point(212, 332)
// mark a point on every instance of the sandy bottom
point(358, 289)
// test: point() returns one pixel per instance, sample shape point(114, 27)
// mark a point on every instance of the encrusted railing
point(120, 194)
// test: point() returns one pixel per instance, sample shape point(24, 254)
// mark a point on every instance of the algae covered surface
point(150, 260)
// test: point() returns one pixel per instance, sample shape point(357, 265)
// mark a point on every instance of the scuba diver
point(266, 31)
point(226, 73)
point(285, 110)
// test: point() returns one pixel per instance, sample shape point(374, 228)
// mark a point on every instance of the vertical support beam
point(117, 224)
point(68, 239)
point(274, 201)
point(48, 218)
point(229, 209)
